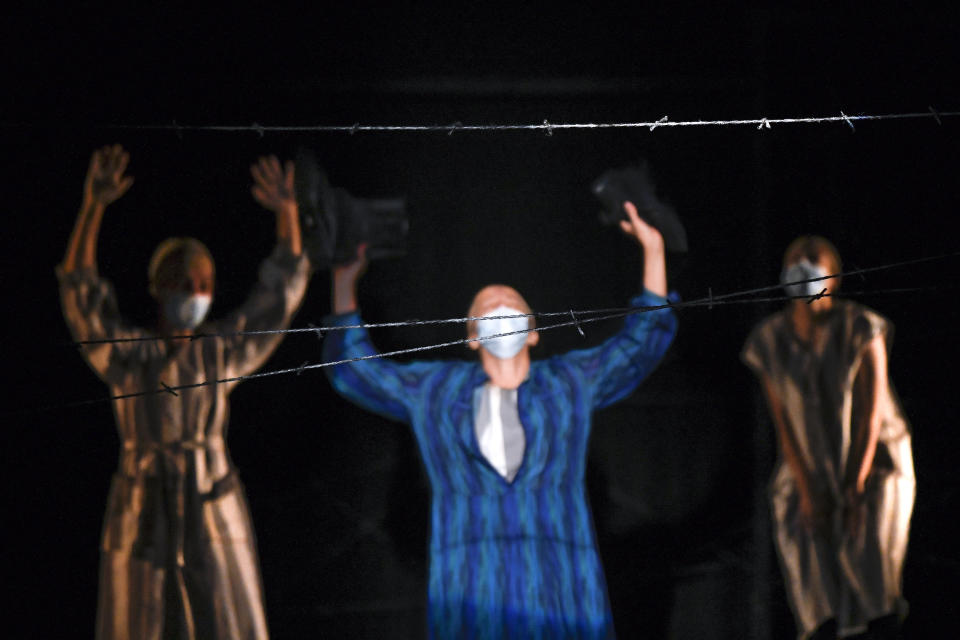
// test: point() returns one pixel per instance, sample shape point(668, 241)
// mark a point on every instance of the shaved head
point(493, 296)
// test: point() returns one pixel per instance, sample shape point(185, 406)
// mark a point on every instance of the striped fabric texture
point(508, 559)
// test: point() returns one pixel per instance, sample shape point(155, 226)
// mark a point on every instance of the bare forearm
point(88, 258)
point(870, 384)
point(865, 463)
point(82, 246)
point(655, 270)
point(344, 293)
point(288, 229)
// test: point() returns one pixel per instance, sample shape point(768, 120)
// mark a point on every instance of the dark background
point(677, 472)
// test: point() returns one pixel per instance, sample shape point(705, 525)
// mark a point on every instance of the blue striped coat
point(508, 559)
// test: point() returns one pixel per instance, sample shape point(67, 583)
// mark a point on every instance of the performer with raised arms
point(504, 442)
point(178, 558)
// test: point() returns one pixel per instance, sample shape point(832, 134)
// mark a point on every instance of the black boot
point(884, 628)
point(826, 631)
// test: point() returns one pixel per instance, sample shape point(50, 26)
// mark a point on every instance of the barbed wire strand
point(576, 322)
point(308, 366)
point(711, 300)
point(545, 126)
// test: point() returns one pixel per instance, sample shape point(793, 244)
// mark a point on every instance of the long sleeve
point(89, 307)
point(616, 367)
point(380, 385)
point(274, 300)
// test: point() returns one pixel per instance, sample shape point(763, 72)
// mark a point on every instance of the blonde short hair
point(182, 250)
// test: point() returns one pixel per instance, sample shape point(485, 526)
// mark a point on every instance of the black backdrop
point(339, 501)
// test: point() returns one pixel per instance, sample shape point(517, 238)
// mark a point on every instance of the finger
point(258, 176)
point(626, 226)
point(260, 195)
point(263, 167)
point(361, 262)
point(116, 151)
point(275, 167)
point(288, 178)
point(632, 214)
point(112, 155)
point(122, 162)
point(267, 168)
point(125, 184)
point(94, 162)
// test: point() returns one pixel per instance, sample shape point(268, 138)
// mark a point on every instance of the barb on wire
point(658, 123)
point(546, 125)
point(579, 328)
point(817, 296)
point(849, 121)
point(710, 301)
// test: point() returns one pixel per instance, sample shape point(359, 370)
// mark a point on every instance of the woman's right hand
point(105, 181)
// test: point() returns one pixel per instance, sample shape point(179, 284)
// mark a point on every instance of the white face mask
point(186, 310)
point(504, 347)
point(803, 270)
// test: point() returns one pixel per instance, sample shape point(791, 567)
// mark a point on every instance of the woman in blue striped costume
point(504, 443)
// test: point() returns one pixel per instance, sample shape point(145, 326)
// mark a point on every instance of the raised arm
point(654, 260)
point(88, 302)
point(616, 367)
point(283, 276)
point(104, 183)
point(379, 385)
point(273, 188)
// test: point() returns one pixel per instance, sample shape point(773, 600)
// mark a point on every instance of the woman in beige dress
point(843, 490)
point(178, 557)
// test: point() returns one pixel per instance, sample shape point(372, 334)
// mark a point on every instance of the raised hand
point(105, 181)
point(654, 261)
point(646, 234)
point(273, 184)
point(345, 278)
